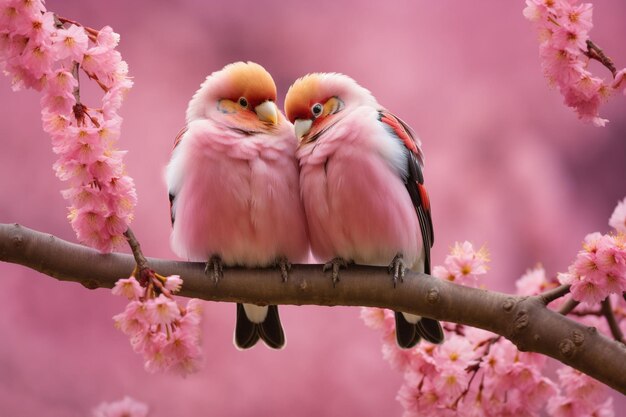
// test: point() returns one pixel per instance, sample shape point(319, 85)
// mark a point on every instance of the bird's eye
point(316, 109)
point(243, 102)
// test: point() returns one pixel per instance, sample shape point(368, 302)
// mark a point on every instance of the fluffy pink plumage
point(361, 182)
point(233, 176)
point(357, 205)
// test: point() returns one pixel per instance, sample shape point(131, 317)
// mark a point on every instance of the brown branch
point(554, 293)
point(595, 52)
point(607, 312)
point(523, 320)
point(135, 247)
point(568, 307)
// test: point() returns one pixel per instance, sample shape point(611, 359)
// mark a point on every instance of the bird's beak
point(302, 127)
point(267, 112)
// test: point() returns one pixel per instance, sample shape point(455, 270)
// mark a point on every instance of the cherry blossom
point(463, 265)
point(565, 50)
point(47, 53)
point(166, 334)
point(598, 270)
point(477, 373)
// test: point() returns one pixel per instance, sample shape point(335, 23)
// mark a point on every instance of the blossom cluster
point(167, 335)
point(464, 265)
point(478, 373)
point(47, 53)
point(581, 396)
point(565, 52)
point(127, 407)
point(599, 268)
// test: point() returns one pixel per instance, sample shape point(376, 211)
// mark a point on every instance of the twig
point(607, 311)
point(548, 296)
point(569, 305)
point(583, 313)
point(595, 52)
point(475, 367)
point(140, 259)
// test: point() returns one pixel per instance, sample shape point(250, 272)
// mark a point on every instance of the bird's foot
point(397, 268)
point(335, 264)
point(214, 268)
point(284, 265)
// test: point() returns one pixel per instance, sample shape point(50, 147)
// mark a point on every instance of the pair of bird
point(248, 188)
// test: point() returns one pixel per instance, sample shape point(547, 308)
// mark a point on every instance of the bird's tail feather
point(270, 330)
point(409, 334)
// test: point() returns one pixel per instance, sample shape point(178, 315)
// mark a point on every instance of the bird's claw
point(214, 268)
point(397, 268)
point(285, 266)
point(335, 264)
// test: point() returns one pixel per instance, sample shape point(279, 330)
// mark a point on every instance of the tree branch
point(607, 312)
point(523, 320)
point(551, 295)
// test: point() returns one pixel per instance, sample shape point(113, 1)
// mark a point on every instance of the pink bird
point(233, 186)
point(362, 185)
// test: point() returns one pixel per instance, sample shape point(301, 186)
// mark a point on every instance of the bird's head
point(315, 101)
point(241, 95)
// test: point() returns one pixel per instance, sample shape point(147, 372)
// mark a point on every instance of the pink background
point(507, 165)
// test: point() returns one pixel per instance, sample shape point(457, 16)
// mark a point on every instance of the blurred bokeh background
point(507, 165)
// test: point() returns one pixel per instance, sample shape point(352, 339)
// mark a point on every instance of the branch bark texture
point(524, 320)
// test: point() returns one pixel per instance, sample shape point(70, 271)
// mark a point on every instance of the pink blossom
point(184, 352)
point(54, 124)
point(87, 223)
point(442, 272)
point(173, 283)
point(463, 265)
point(58, 102)
point(107, 166)
point(533, 282)
point(129, 288)
point(569, 38)
point(9, 15)
point(451, 382)
point(581, 386)
point(398, 358)
point(162, 310)
point(122, 195)
point(618, 218)
point(579, 17)
point(373, 317)
point(587, 291)
point(126, 407)
point(129, 324)
point(457, 352)
point(611, 256)
point(599, 269)
point(36, 26)
point(70, 43)
point(580, 396)
point(37, 58)
point(61, 81)
point(190, 321)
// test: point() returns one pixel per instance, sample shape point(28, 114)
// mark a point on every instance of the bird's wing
point(179, 136)
point(172, 191)
point(414, 180)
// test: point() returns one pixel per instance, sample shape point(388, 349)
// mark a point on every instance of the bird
point(234, 188)
point(362, 185)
